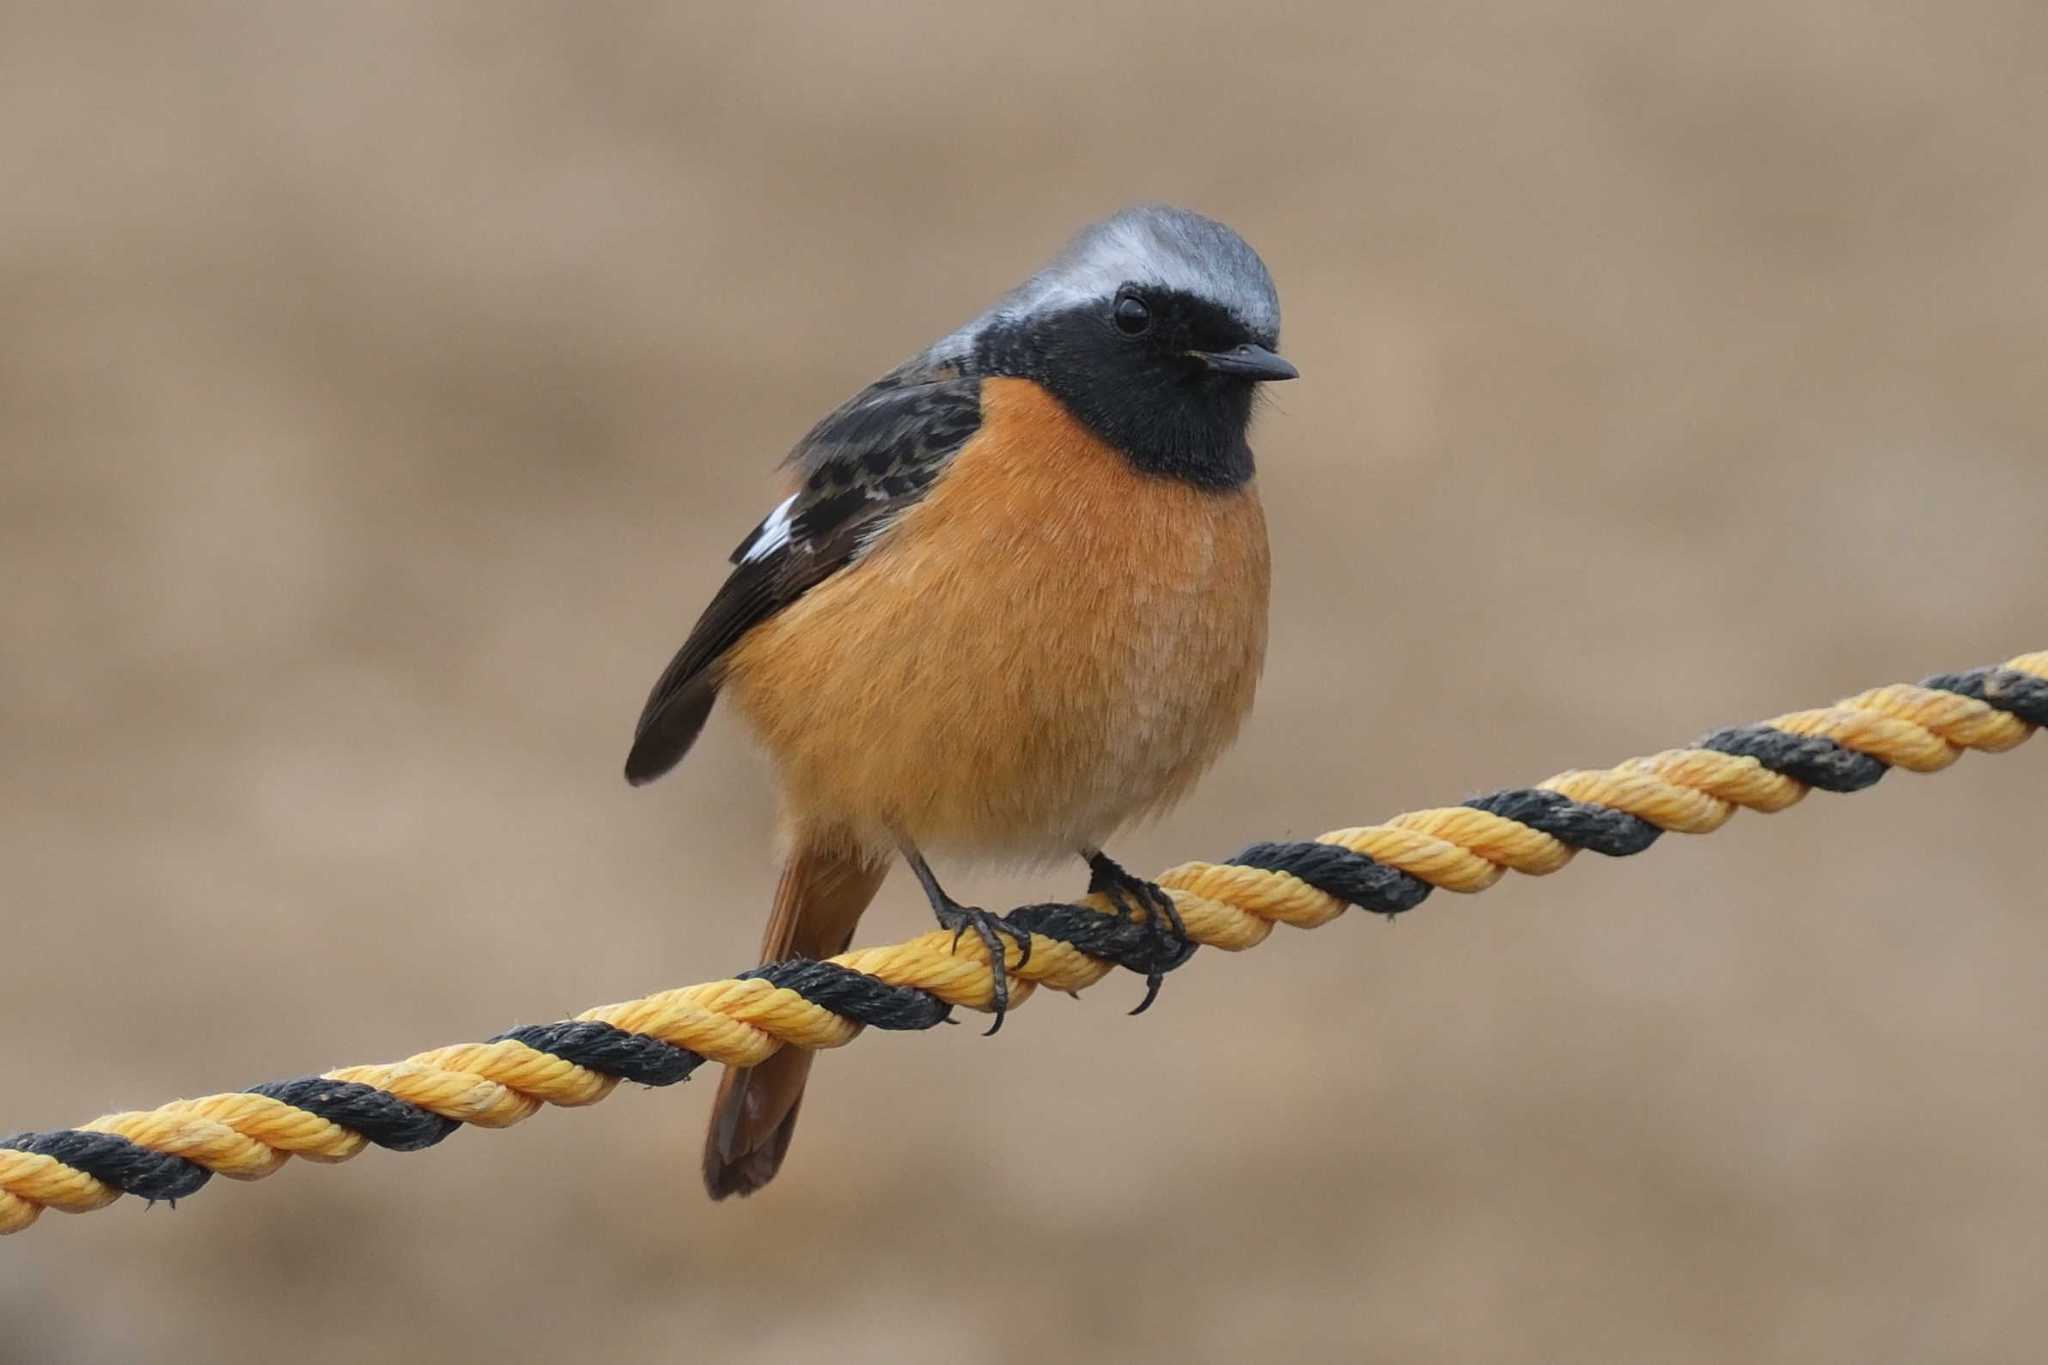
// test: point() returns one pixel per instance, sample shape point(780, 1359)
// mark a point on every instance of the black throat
point(1166, 413)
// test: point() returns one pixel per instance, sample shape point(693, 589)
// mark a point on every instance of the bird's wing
point(861, 468)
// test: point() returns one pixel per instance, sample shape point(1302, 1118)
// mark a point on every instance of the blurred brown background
point(382, 386)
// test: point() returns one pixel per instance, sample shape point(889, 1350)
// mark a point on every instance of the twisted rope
point(171, 1151)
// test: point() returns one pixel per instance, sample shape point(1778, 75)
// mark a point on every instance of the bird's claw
point(988, 927)
point(1163, 925)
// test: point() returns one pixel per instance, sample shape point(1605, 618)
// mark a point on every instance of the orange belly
point(1047, 646)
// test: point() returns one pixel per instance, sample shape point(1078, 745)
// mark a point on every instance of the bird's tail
point(828, 880)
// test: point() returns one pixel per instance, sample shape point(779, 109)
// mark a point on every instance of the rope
point(172, 1151)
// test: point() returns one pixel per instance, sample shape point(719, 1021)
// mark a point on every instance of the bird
point(1015, 601)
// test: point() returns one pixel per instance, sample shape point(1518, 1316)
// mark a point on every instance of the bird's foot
point(1133, 896)
point(988, 927)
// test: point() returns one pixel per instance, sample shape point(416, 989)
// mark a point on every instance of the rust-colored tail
point(826, 883)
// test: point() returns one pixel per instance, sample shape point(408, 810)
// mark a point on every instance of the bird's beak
point(1248, 361)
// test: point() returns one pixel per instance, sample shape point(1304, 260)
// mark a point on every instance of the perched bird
point(1017, 600)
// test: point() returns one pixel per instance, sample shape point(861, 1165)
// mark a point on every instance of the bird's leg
point(986, 926)
point(1130, 895)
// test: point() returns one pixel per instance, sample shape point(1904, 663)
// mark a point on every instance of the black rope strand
point(2011, 691)
point(128, 1166)
point(1356, 878)
point(855, 995)
point(395, 1124)
point(1577, 824)
point(1813, 759)
point(608, 1050)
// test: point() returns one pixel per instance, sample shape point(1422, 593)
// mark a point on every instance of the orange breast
point(1048, 645)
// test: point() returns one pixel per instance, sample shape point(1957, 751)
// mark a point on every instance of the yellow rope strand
point(741, 1022)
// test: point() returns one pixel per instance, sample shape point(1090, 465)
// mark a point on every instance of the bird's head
point(1154, 327)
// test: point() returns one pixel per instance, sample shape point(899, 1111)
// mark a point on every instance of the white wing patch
point(774, 533)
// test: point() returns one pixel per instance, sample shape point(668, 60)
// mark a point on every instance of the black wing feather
point(861, 467)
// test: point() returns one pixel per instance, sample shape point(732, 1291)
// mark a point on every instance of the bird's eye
point(1132, 316)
